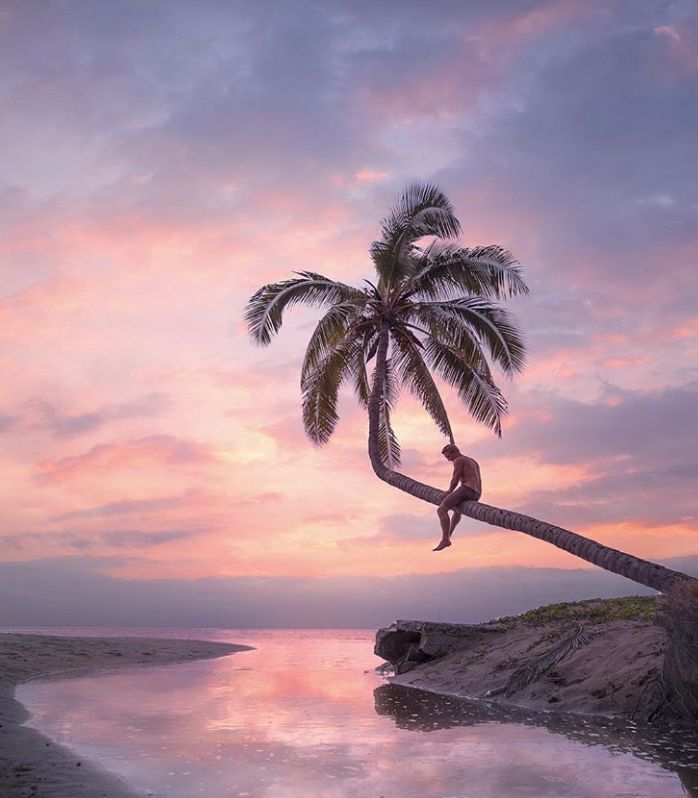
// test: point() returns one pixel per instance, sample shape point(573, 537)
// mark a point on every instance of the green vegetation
point(591, 611)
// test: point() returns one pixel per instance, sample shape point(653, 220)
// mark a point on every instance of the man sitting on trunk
point(466, 485)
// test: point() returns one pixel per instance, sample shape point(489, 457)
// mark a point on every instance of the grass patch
point(591, 611)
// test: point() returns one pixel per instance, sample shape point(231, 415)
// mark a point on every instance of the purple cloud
point(44, 415)
point(125, 507)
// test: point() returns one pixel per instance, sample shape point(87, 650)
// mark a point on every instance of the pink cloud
point(685, 330)
point(682, 46)
point(165, 450)
point(521, 28)
point(367, 176)
point(450, 87)
point(443, 91)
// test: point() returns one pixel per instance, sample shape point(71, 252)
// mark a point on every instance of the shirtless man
point(466, 471)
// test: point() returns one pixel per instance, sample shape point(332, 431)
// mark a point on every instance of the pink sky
point(162, 162)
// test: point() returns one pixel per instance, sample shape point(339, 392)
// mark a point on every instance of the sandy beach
point(32, 765)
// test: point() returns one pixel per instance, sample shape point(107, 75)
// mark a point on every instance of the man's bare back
point(467, 472)
point(466, 485)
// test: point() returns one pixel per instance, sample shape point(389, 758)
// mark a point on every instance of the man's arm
point(457, 473)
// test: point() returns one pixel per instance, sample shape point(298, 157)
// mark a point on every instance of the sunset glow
point(161, 164)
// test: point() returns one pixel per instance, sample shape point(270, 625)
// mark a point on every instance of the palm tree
point(433, 308)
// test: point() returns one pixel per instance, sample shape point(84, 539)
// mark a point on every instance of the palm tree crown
point(437, 301)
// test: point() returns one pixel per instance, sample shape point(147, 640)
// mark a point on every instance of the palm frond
point(364, 354)
point(413, 372)
point(394, 263)
point(448, 271)
point(436, 323)
point(370, 345)
point(362, 389)
point(422, 210)
point(472, 380)
point(421, 206)
point(388, 444)
point(391, 384)
point(264, 311)
point(331, 328)
point(321, 388)
point(383, 257)
point(487, 322)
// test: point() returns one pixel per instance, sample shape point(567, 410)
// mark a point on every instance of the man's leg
point(455, 518)
point(445, 522)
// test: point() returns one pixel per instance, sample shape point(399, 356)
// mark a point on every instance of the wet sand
point(32, 765)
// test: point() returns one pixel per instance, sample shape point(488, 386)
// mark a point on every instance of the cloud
point(398, 528)
point(682, 41)
point(7, 421)
point(126, 507)
point(135, 538)
point(165, 450)
point(99, 541)
point(401, 527)
point(44, 415)
point(635, 447)
point(567, 165)
point(649, 426)
point(406, 528)
point(338, 517)
point(606, 94)
point(366, 176)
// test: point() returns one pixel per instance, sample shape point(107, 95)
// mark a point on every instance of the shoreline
point(32, 764)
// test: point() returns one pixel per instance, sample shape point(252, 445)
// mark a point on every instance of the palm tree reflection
point(673, 749)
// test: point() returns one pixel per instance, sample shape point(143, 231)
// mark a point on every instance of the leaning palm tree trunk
point(641, 571)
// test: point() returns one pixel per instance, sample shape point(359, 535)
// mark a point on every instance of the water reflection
point(674, 749)
point(305, 715)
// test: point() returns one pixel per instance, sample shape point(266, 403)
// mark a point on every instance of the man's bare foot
point(443, 544)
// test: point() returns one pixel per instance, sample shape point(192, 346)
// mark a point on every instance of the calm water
point(305, 716)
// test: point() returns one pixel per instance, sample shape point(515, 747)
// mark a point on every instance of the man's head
point(450, 451)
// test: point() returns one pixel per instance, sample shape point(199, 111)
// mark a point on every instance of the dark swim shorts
point(462, 494)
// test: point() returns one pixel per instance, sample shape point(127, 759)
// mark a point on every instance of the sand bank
point(613, 667)
point(32, 765)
